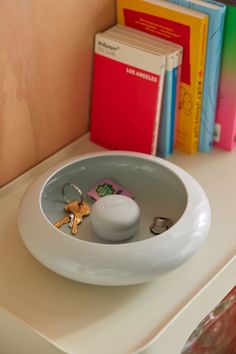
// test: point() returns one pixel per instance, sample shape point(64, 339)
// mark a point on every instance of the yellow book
point(182, 26)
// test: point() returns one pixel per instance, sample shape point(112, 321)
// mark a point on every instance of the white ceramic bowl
point(160, 189)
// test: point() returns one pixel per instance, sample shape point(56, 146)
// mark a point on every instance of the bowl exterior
point(114, 264)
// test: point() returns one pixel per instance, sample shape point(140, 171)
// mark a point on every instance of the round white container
point(160, 189)
point(115, 218)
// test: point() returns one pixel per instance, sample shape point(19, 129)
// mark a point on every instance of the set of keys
point(75, 211)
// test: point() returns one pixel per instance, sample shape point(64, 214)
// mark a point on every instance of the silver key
point(72, 216)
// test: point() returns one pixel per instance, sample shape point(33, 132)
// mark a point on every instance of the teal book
point(174, 108)
point(169, 113)
point(216, 16)
point(163, 142)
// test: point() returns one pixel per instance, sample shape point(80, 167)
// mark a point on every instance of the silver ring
point(78, 190)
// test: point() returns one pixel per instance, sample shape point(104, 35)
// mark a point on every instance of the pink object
point(226, 114)
point(226, 111)
point(216, 334)
point(108, 187)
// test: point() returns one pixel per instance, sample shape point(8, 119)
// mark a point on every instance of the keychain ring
point(78, 190)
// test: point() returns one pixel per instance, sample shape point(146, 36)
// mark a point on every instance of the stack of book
point(156, 77)
point(128, 85)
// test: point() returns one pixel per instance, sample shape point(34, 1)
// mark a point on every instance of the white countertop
point(155, 317)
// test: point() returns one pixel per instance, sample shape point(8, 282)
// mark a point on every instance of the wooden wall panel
point(45, 76)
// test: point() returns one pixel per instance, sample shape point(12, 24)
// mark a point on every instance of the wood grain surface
point(46, 56)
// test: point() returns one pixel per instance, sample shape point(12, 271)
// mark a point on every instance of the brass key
point(65, 220)
point(79, 210)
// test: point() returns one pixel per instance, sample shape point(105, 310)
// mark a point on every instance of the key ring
point(78, 190)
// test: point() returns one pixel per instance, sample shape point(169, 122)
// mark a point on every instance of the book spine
point(176, 117)
point(211, 84)
point(191, 99)
point(165, 121)
point(173, 109)
point(199, 90)
point(225, 137)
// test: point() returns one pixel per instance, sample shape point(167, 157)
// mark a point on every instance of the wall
point(45, 76)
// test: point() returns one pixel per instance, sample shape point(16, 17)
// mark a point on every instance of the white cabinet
point(155, 317)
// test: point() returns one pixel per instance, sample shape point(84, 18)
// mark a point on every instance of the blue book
point(163, 142)
point(173, 109)
point(216, 12)
point(175, 98)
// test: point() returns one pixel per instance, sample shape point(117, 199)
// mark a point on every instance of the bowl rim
point(186, 180)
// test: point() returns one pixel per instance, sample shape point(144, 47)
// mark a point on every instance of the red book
point(126, 98)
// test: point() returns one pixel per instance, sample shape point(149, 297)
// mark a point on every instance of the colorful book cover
point(188, 28)
point(225, 137)
point(127, 93)
point(216, 13)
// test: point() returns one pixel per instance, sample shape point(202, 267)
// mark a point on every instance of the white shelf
point(156, 317)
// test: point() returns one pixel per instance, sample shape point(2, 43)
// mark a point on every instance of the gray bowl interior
point(157, 190)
